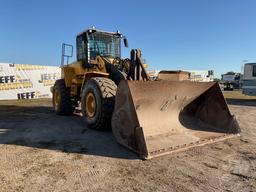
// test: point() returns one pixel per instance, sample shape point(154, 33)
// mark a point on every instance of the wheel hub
point(90, 105)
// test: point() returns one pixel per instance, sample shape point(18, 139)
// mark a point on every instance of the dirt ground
point(44, 152)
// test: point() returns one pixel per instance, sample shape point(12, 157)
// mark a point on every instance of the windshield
point(104, 45)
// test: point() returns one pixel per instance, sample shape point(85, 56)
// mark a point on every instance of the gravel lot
point(44, 152)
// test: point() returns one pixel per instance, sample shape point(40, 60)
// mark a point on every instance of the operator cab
point(92, 43)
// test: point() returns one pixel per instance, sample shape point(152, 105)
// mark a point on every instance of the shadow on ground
point(244, 102)
point(39, 127)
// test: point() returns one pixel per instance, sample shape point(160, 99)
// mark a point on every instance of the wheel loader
point(152, 118)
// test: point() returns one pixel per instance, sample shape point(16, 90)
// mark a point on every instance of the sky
point(214, 35)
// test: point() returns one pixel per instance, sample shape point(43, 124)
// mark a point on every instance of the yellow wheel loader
point(151, 118)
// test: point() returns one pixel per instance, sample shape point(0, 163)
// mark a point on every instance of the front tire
point(61, 99)
point(98, 99)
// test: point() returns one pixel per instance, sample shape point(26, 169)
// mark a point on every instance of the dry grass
point(26, 102)
point(237, 94)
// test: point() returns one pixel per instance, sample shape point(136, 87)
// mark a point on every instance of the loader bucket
point(154, 118)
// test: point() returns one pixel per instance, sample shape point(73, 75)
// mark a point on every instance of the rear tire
point(98, 100)
point(61, 99)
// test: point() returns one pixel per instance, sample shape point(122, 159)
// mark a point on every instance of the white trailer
point(249, 79)
point(231, 80)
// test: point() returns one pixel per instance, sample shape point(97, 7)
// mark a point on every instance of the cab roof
point(93, 29)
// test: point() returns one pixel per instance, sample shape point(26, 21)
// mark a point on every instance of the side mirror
point(125, 42)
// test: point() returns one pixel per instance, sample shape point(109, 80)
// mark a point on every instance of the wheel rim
point(56, 99)
point(90, 105)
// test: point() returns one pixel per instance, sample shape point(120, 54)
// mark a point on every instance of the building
point(174, 75)
point(180, 75)
point(249, 79)
point(201, 75)
point(153, 74)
